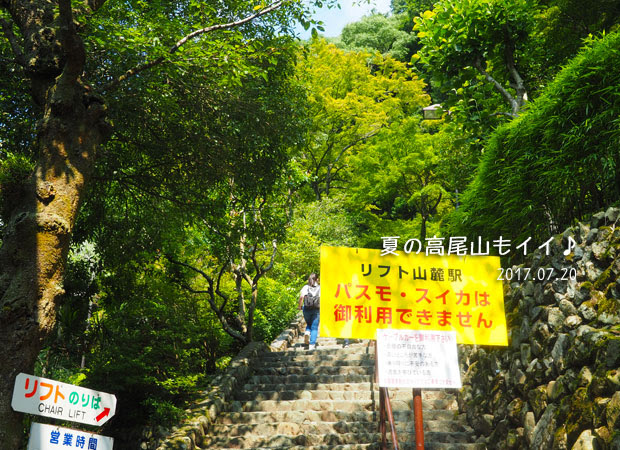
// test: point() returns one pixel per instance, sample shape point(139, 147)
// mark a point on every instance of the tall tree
point(469, 39)
point(233, 245)
point(381, 33)
point(72, 57)
point(352, 95)
point(560, 30)
point(400, 179)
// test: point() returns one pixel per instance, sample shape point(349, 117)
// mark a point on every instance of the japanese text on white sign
point(51, 437)
point(417, 359)
point(50, 398)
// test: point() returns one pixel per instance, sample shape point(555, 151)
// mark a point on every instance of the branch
point(437, 202)
point(217, 288)
point(274, 244)
point(7, 28)
point(222, 26)
point(210, 297)
point(327, 151)
point(502, 90)
point(225, 26)
point(195, 269)
point(519, 84)
point(356, 141)
point(262, 270)
point(217, 310)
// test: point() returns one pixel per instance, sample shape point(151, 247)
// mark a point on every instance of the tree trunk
point(36, 243)
point(38, 230)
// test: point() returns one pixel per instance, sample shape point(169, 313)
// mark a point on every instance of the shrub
point(558, 161)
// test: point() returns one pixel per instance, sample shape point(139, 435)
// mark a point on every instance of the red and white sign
point(51, 437)
point(50, 398)
point(418, 359)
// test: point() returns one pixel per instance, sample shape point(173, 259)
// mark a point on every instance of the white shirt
point(313, 290)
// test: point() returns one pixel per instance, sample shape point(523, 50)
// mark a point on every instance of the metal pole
point(417, 419)
point(390, 415)
point(382, 427)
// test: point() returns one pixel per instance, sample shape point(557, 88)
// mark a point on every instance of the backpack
point(312, 301)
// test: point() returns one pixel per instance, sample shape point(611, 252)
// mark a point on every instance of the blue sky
point(350, 11)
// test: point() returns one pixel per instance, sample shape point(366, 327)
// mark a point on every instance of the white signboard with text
point(50, 398)
point(51, 437)
point(418, 359)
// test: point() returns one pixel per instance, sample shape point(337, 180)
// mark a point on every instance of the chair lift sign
point(50, 398)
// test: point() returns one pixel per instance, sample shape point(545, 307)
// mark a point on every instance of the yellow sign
point(362, 291)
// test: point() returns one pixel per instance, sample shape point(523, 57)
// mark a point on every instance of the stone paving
point(327, 398)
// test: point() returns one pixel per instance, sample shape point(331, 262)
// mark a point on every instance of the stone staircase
point(327, 399)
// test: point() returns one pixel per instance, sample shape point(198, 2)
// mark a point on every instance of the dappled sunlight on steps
point(327, 399)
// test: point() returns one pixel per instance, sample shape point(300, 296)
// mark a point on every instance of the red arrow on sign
point(106, 412)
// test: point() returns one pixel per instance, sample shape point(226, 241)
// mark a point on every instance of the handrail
point(385, 409)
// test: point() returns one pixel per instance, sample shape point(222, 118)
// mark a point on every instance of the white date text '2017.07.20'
point(540, 274)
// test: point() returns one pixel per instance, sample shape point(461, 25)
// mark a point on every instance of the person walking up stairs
point(328, 399)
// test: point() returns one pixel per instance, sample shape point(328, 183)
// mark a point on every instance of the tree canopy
point(352, 96)
point(169, 170)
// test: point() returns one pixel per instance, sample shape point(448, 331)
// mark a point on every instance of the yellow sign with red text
point(362, 291)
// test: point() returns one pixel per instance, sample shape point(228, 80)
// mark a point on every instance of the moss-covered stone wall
point(557, 384)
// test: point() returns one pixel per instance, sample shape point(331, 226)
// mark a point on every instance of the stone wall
point(557, 384)
point(217, 398)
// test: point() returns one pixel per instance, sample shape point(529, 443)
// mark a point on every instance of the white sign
point(418, 359)
point(51, 437)
point(49, 398)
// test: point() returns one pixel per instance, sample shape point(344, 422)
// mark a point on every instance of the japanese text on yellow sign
point(362, 291)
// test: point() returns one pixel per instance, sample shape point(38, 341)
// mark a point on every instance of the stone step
point(327, 399)
point(367, 404)
point(363, 386)
point(323, 349)
point(246, 417)
point(313, 447)
point(322, 427)
point(310, 405)
point(347, 392)
point(285, 380)
point(321, 369)
point(282, 440)
point(311, 358)
point(340, 342)
point(377, 446)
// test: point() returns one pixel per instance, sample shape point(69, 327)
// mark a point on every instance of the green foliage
point(477, 44)
point(275, 309)
point(379, 33)
point(412, 7)
point(400, 180)
point(561, 28)
point(557, 162)
point(213, 152)
point(324, 222)
point(17, 119)
point(352, 96)
point(455, 34)
point(14, 169)
point(153, 346)
point(196, 173)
